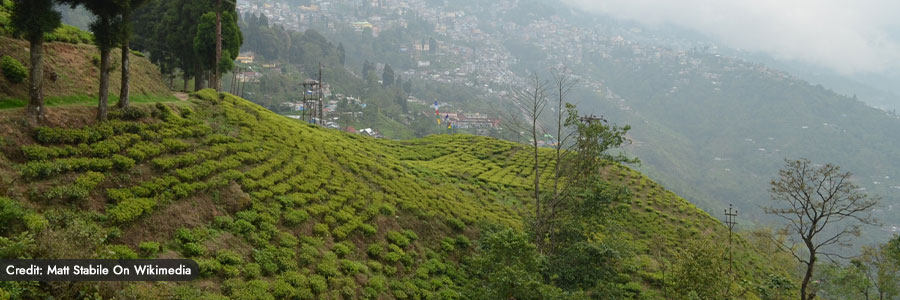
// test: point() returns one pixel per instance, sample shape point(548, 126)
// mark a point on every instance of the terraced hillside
point(272, 208)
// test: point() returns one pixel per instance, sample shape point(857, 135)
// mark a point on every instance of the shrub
point(250, 290)
point(308, 254)
point(118, 252)
point(68, 34)
point(130, 209)
point(95, 59)
point(283, 290)
point(230, 271)
point(341, 249)
point(228, 257)
point(208, 267)
point(318, 283)
point(456, 224)
point(36, 222)
point(411, 235)
point(368, 229)
point(243, 227)
point(397, 238)
point(320, 229)
point(351, 267)
point(393, 257)
point(252, 270)
point(463, 241)
point(193, 249)
point(375, 250)
point(13, 70)
point(295, 216)
point(48, 135)
point(45, 169)
point(447, 244)
point(149, 248)
point(89, 180)
point(223, 222)
point(122, 163)
point(328, 266)
point(286, 239)
point(38, 152)
point(129, 113)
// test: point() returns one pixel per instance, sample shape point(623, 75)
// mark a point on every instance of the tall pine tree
point(106, 36)
point(33, 18)
point(387, 78)
point(125, 33)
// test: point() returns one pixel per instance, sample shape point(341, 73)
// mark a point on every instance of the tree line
point(200, 38)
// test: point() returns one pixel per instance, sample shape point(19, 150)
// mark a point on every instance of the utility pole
point(321, 97)
point(730, 214)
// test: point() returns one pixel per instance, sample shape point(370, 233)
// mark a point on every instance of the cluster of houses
point(470, 120)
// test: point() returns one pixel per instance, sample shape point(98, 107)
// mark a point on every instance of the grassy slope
point(268, 204)
point(76, 73)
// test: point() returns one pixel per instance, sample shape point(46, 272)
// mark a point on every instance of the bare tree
point(813, 199)
point(531, 101)
point(562, 85)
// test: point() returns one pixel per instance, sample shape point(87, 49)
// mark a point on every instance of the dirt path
point(181, 96)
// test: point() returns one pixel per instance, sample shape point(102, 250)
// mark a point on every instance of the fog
point(849, 37)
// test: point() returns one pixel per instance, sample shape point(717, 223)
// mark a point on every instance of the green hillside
point(71, 72)
point(272, 208)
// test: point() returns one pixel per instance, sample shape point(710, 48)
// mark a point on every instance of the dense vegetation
point(273, 208)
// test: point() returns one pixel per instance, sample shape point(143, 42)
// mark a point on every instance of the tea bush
point(13, 70)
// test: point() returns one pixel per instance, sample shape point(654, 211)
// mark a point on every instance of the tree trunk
point(539, 236)
point(123, 93)
point(804, 287)
point(185, 77)
point(35, 110)
point(198, 78)
point(103, 95)
point(215, 76)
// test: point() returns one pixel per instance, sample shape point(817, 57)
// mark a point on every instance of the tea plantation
point(272, 208)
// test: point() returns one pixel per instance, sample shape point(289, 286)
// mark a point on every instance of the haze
point(849, 37)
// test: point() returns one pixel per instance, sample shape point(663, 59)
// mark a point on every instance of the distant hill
point(272, 206)
point(72, 69)
point(717, 129)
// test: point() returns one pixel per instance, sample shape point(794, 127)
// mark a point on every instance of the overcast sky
point(848, 36)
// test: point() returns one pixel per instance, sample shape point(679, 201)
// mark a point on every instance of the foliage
point(701, 272)
point(34, 18)
point(205, 40)
point(594, 137)
point(69, 34)
point(13, 70)
point(508, 268)
point(875, 274)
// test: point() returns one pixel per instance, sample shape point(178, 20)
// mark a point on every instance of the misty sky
point(848, 36)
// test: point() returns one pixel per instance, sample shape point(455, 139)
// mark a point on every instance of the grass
point(85, 100)
point(69, 71)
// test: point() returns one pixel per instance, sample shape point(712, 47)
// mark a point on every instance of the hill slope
point(271, 207)
point(70, 70)
point(718, 128)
